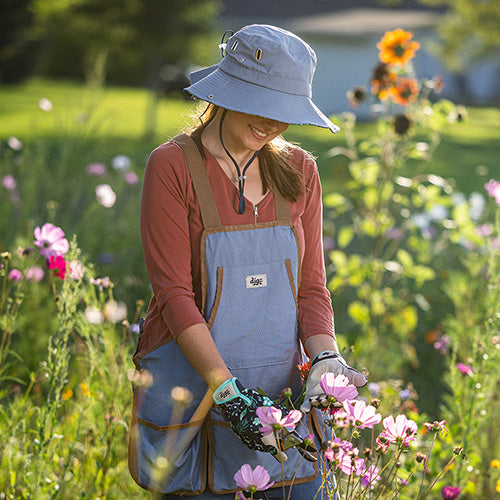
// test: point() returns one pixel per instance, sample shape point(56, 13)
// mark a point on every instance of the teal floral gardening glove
point(324, 362)
point(239, 405)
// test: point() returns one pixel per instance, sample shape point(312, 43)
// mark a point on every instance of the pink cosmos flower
point(442, 344)
point(97, 169)
point(484, 229)
point(401, 430)
point(465, 369)
point(253, 480)
point(76, 270)
point(15, 275)
point(8, 182)
point(57, 265)
point(51, 241)
point(370, 477)
point(362, 415)
point(343, 455)
point(131, 178)
point(437, 426)
point(450, 492)
point(493, 189)
point(337, 387)
point(35, 274)
point(272, 419)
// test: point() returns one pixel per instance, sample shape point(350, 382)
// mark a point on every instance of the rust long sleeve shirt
point(171, 230)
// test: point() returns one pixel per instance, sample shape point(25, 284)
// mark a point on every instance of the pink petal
point(268, 415)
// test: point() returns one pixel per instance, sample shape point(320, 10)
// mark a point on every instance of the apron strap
point(203, 189)
point(282, 207)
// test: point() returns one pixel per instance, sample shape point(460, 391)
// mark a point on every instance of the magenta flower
point(370, 477)
point(51, 241)
point(15, 275)
point(493, 189)
point(57, 265)
point(401, 430)
point(337, 387)
point(253, 480)
point(450, 492)
point(273, 420)
point(361, 414)
point(34, 273)
point(465, 369)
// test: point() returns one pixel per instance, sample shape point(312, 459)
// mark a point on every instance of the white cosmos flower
point(14, 143)
point(93, 315)
point(120, 162)
point(44, 104)
point(115, 311)
point(105, 195)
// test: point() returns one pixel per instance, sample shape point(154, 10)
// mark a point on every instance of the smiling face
point(243, 133)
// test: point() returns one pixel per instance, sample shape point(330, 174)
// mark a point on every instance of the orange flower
point(396, 47)
point(68, 394)
point(382, 81)
point(405, 91)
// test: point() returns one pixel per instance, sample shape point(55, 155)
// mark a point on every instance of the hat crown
point(270, 57)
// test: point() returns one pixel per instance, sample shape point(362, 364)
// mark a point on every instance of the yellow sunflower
point(397, 47)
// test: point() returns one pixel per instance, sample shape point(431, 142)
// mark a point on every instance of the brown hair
point(276, 172)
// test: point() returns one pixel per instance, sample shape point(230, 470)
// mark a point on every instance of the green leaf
point(334, 200)
point(359, 312)
point(345, 236)
point(405, 258)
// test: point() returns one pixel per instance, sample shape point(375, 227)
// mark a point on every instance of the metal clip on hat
point(265, 71)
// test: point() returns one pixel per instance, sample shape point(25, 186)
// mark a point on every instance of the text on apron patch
point(256, 280)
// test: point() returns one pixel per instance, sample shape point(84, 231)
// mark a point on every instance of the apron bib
point(250, 277)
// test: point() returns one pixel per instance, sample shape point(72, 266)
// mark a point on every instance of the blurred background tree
point(469, 33)
point(129, 40)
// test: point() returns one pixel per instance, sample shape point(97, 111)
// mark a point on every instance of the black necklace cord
point(241, 175)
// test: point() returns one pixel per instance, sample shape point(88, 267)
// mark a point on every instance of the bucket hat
point(265, 71)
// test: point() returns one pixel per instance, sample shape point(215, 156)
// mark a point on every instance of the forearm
point(318, 343)
point(200, 350)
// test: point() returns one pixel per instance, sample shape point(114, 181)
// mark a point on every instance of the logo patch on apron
point(256, 281)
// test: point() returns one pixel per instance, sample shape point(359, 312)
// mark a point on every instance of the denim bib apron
point(250, 276)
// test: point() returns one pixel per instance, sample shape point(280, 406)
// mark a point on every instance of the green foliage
point(469, 30)
point(65, 432)
point(134, 37)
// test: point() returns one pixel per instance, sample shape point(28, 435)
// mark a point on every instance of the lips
point(258, 133)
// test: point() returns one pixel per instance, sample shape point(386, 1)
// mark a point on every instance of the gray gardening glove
point(324, 362)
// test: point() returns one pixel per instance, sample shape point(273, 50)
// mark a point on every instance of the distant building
point(344, 34)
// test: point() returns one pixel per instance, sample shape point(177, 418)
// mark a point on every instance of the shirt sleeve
point(315, 305)
point(165, 237)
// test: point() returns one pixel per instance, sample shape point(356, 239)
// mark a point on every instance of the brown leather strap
point(282, 207)
point(203, 189)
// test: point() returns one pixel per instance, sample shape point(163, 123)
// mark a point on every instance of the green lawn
point(116, 118)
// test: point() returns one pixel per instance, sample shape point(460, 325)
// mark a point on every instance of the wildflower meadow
point(413, 266)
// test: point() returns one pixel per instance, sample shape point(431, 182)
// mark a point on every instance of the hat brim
point(217, 87)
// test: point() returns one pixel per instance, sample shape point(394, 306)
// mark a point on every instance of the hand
point(324, 362)
point(239, 405)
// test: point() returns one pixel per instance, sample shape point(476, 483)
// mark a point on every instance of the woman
point(231, 232)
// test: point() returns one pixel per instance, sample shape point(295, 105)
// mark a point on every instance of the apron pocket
point(228, 454)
